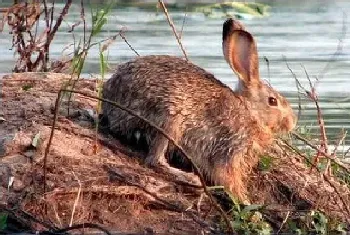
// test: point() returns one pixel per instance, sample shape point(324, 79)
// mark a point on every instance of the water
point(307, 35)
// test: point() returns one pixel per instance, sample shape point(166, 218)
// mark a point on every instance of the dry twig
point(308, 142)
point(161, 3)
point(76, 200)
point(325, 177)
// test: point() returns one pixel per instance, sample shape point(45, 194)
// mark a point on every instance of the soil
point(92, 178)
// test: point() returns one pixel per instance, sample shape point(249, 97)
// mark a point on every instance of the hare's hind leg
point(158, 148)
point(233, 175)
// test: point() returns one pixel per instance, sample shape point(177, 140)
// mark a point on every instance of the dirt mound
point(92, 178)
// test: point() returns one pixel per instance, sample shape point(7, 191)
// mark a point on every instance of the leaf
point(341, 228)
point(98, 26)
point(36, 139)
point(27, 87)
point(103, 64)
point(253, 207)
point(99, 19)
point(265, 163)
point(3, 221)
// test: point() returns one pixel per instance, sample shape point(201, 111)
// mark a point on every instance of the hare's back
point(157, 86)
point(162, 74)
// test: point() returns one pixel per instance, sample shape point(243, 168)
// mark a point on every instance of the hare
point(222, 129)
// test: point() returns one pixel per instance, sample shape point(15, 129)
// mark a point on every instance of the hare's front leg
point(233, 176)
point(157, 151)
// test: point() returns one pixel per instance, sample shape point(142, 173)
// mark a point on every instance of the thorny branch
point(339, 47)
point(330, 157)
point(326, 177)
point(298, 85)
point(312, 95)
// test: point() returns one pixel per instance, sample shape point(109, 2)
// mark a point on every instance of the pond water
point(304, 35)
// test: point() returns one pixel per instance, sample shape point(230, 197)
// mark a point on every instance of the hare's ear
point(229, 26)
point(241, 54)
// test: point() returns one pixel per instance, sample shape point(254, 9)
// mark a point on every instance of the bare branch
point(298, 86)
point(339, 47)
point(308, 142)
point(183, 24)
point(323, 174)
point(172, 27)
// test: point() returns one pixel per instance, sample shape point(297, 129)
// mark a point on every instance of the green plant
point(247, 219)
point(3, 221)
point(315, 222)
point(27, 87)
point(340, 173)
point(98, 20)
point(99, 82)
point(265, 163)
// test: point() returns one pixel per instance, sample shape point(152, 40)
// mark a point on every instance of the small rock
point(84, 123)
point(29, 154)
point(50, 185)
point(88, 150)
point(3, 195)
point(4, 139)
point(5, 174)
point(17, 185)
point(27, 180)
point(15, 159)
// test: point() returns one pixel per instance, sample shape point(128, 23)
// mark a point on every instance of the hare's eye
point(272, 101)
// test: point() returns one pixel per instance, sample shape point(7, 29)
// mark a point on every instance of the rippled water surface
point(305, 35)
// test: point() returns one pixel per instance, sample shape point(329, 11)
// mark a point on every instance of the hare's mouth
point(289, 123)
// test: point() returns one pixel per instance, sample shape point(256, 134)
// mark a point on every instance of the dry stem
point(308, 142)
point(322, 174)
point(172, 27)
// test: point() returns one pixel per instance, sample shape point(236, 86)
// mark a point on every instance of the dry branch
point(165, 10)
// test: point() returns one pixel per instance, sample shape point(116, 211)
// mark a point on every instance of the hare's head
point(268, 106)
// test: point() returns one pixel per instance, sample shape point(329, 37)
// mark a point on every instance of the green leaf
point(253, 207)
point(341, 228)
point(99, 19)
point(27, 87)
point(36, 139)
point(3, 221)
point(265, 163)
point(103, 64)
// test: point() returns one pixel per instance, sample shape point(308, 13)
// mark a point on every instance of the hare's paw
point(180, 175)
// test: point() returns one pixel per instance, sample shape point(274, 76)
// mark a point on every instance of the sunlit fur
point(219, 128)
point(222, 130)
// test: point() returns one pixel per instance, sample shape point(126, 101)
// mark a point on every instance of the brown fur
point(221, 129)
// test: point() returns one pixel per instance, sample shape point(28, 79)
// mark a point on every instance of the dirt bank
point(93, 178)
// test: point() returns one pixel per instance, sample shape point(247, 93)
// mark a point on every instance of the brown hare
point(222, 129)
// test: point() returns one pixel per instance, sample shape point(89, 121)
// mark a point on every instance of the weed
point(3, 221)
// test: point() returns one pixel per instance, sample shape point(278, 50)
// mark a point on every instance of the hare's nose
point(293, 121)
